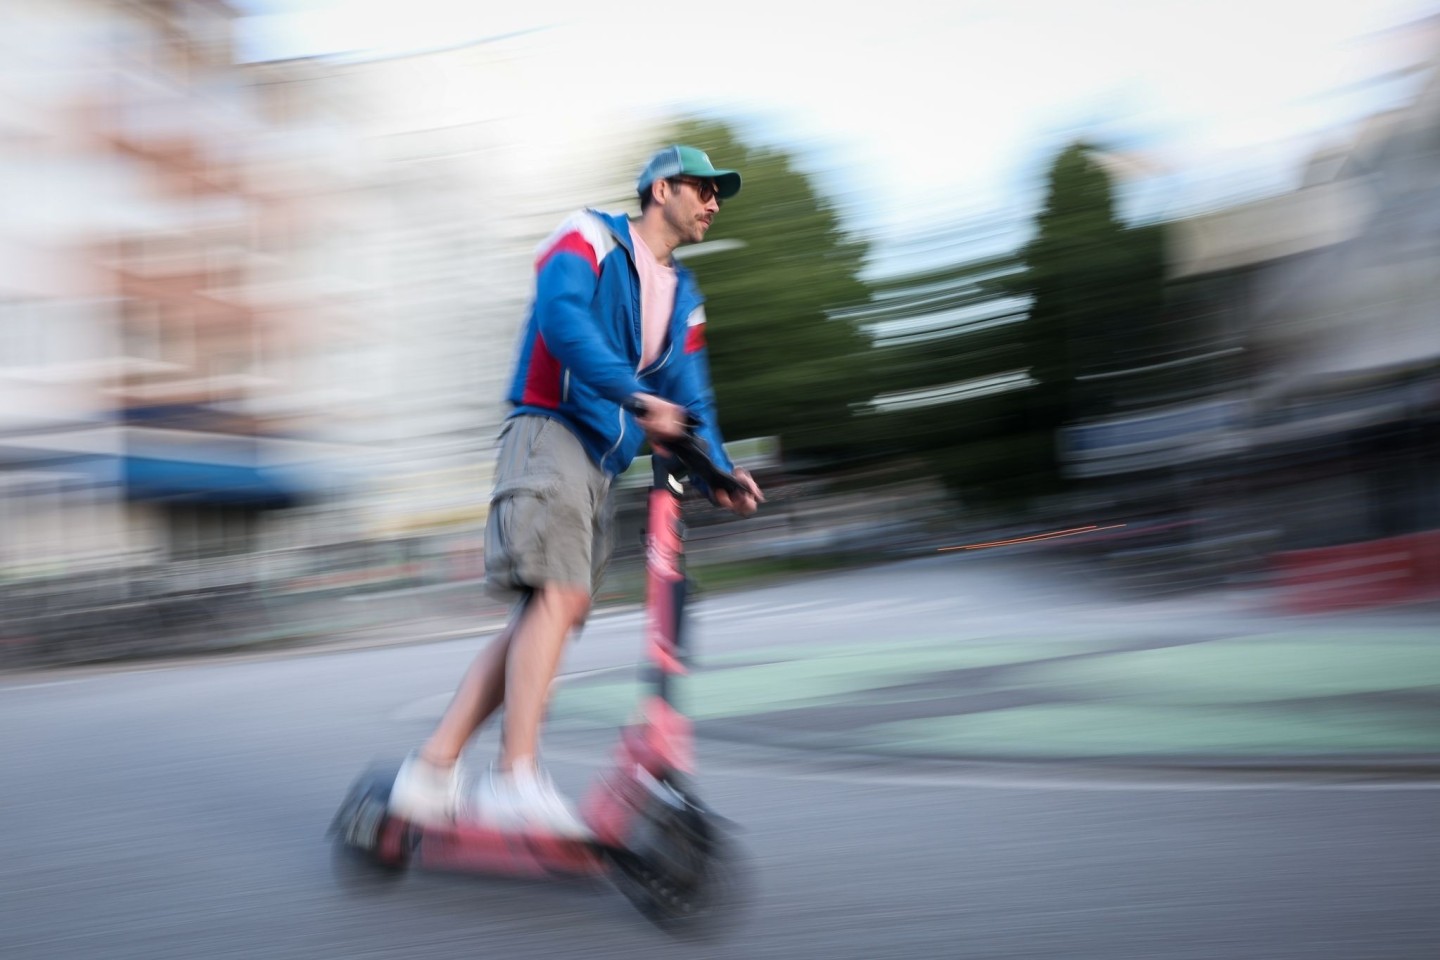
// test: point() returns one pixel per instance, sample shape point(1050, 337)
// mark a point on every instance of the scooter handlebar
point(693, 453)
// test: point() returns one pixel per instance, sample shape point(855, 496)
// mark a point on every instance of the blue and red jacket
point(579, 354)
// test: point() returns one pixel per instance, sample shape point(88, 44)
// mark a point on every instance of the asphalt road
point(178, 810)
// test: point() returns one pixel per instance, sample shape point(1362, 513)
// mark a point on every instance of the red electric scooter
point(667, 852)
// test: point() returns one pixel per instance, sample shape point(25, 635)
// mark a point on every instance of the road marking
point(773, 763)
point(821, 611)
point(431, 706)
point(785, 609)
point(817, 611)
point(46, 683)
point(770, 764)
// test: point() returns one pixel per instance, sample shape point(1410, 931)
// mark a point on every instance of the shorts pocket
point(513, 541)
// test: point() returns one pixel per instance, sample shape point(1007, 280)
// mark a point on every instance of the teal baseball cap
point(678, 161)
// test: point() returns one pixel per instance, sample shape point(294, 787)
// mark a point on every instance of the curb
point(303, 645)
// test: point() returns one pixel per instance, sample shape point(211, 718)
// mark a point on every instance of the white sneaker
point(525, 800)
point(425, 793)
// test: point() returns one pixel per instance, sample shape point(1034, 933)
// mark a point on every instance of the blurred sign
point(1154, 439)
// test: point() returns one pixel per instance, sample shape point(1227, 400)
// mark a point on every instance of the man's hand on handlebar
point(660, 419)
point(664, 421)
point(743, 502)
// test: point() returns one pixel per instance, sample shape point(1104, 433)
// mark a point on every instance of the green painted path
point(1311, 695)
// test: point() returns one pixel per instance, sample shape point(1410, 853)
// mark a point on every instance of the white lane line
point(820, 611)
point(760, 609)
point(43, 684)
point(431, 706)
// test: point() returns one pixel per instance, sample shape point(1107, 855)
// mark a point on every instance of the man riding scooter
point(612, 354)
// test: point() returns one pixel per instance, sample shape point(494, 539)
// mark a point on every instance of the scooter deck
point(477, 848)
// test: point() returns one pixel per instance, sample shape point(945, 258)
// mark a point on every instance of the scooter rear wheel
point(369, 844)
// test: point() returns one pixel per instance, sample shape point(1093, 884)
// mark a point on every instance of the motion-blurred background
point(1149, 293)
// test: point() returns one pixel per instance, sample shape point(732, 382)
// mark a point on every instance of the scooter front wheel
point(682, 869)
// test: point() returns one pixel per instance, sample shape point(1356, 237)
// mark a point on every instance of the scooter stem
point(665, 578)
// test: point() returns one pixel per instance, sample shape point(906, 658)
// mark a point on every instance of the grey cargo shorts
point(550, 513)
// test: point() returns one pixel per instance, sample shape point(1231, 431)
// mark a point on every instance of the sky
point(919, 113)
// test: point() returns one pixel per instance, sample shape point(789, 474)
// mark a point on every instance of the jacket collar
point(619, 225)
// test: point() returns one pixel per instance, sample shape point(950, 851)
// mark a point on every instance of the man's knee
point(567, 602)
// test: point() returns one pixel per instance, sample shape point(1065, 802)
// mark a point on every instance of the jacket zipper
point(620, 415)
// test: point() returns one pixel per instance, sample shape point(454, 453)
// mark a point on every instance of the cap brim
point(727, 183)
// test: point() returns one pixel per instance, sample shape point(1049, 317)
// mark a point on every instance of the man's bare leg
point(535, 649)
point(480, 694)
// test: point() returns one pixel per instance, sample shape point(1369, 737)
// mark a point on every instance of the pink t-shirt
point(657, 300)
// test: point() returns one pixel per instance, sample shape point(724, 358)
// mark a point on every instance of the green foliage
point(801, 344)
point(1082, 297)
point(1096, 286)
point(782, 364)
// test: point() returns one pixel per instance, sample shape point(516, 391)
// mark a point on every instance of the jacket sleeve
point(687, 382)
point(564, 310)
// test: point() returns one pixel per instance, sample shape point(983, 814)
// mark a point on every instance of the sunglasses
point(705, 189)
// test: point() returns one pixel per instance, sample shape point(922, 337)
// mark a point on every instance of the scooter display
point(669, 854)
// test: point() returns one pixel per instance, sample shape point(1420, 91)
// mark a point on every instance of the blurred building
point(466, 175)
point(177, 299)
point(1314, 314)
point(255, 319)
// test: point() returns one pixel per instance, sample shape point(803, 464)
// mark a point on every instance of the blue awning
point(215, 484)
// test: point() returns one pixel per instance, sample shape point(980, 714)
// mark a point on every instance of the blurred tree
point(1096, 288)
point(1097, 293)
point(778, 270)
point(983, 362)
